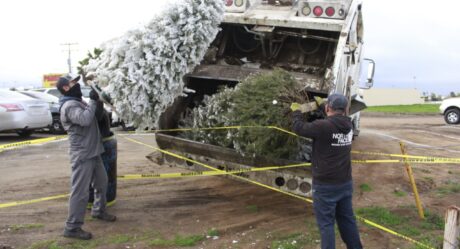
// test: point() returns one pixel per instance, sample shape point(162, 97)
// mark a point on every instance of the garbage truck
point(319, 42)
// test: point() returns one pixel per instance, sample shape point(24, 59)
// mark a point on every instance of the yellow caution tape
point(366, 221)
point(407, 156)
point(210, 173)
point(422, 159)
point(29, 142)
point(17, 203)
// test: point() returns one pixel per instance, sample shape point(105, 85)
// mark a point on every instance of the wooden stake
point(412, 182)
point(452, 229)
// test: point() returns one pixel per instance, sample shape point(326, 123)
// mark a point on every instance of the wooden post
point(452, 229)
point(412, 182)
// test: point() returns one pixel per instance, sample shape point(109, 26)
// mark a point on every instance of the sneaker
point(105, 217)
point(77, 233)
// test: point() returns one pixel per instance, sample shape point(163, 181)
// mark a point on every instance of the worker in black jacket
point(109, 157)
point(331, 166)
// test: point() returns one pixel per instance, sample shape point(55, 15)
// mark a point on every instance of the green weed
point(381, 215)
point(449, 188)
point(365, 187)
point(181, 241)
point(252, 208)
point(213, 232)
point(43, 244)
point(399, 193)
point(25, 226)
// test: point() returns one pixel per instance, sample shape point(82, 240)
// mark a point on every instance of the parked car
point(53, 91)
point(53, 101)
point(450, 108)
point(22, 114)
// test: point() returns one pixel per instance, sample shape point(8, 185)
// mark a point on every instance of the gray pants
point(84, 173)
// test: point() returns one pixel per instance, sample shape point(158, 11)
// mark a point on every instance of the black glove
point(93, 95)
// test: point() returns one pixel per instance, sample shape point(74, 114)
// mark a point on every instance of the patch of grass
point(381, 215)
point(295, 241)
point(25, 226)
point(399, 193)
point(432, 241)
point(181, 241)
point(432, 221)
point(365, 187)
point(425, 171)
point(449, 188)
point(418, 108)
point(252, 208)
point(120, 239)
point(213, 232)
point(43, 244)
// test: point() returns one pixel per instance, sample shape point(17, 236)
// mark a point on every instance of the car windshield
point(43, 96)
point(54, 92)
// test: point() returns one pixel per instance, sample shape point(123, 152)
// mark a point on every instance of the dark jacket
point(332, 137)
point(103, 120)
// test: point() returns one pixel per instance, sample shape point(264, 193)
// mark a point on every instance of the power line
point(69, 50)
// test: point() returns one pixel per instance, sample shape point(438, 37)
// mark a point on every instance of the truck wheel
point(56, 126)
point(452, 116)
point(24, 133)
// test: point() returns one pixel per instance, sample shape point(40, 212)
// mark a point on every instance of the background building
point(392, 96)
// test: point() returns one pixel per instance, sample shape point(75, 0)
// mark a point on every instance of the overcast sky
point(414, 43)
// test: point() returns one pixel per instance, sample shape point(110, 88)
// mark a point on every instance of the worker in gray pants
point(78, 119)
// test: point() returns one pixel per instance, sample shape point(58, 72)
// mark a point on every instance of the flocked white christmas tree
point(143, 70)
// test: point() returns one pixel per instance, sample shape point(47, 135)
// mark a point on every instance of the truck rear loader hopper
point(324, 53)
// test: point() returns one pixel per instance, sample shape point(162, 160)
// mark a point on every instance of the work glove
point(295, 107)
point(93, 95)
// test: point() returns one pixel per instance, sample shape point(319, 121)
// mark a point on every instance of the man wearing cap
point(78, 119)
point(331, 167)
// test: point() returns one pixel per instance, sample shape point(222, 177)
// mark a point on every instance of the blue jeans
point(334, 202)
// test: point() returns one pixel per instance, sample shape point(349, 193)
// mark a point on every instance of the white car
point(450, 108)
point(23, 114)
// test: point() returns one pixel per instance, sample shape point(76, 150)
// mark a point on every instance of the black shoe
point(105, 217)
point(77, 233)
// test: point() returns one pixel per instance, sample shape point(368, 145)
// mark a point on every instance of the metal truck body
point(319, 42)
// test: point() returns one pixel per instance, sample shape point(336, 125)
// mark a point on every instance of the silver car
point(53, 101)
point(23, 114)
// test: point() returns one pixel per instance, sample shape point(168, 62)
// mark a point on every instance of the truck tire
point(452, 116)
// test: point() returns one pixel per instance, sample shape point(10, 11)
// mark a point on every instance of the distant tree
point(433, 97)
point(452, 94)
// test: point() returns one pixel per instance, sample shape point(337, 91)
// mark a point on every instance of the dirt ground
point(234, 214)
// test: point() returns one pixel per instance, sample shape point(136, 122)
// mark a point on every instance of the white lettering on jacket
point(341, 139)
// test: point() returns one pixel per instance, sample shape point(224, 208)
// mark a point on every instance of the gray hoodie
point(79, 121)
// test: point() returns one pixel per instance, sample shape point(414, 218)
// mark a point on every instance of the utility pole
point(69, 50)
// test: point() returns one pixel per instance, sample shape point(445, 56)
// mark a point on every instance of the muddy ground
point(233, 214)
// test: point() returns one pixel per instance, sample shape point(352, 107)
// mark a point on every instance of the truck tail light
point(330, 11)
point(228, 2)
point(12, 107)
point(318, 11)
point(306, 11)
point(239, 3)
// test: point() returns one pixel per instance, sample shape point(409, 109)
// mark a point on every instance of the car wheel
point(56, 126)
point(24, 133)
point(452, 116)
